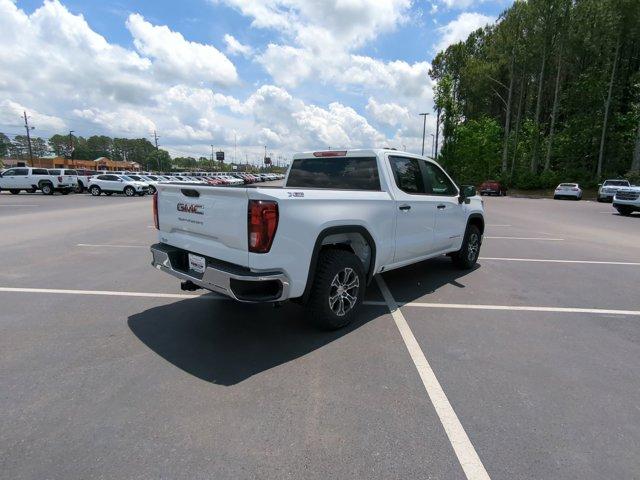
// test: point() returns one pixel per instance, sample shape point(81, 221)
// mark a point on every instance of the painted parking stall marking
point(549, 260)
point(462, 446)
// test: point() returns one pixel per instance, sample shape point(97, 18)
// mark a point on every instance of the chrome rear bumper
point(234, 281)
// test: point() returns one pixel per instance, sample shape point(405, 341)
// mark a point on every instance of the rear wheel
point(338, 289)
point(14, 191)
point(95, 191)
point(624, 210)
point(129, 191)
point(152, 189)
point(467, 257)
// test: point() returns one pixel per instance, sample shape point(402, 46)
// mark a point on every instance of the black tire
point(95, 190)
point(129, 191)
point(335, 267)
point(152, 189)
point(14, 191)
point(624, 210)
point(467, 257)
point(600, 199)
point(79, 188)
point(556, 197)
point(47, 189)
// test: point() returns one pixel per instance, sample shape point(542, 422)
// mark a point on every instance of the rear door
point(415, 210)
point(211, 221)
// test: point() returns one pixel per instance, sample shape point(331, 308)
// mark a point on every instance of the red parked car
point(492, 187)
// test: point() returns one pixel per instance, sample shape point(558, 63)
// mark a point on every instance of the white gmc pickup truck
point(341, 218)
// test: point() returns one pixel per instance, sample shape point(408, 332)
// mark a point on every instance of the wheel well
point(355, 239)
point(478, 221)
point(353, 242)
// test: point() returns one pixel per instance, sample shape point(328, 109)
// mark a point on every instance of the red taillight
point(330, 153)
point(263, 223)
point(155, 210)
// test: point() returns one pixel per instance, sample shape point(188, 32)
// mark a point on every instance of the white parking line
point(462, 446)
point(491, 225)
point(545, 260)
point(110, 246)
point(528, 238)
point(19, 205)
point(466, 306)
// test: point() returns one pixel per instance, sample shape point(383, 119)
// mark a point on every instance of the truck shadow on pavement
point(415, 281)
point(225, 342)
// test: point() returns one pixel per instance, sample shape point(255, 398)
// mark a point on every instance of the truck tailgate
point(211, 221)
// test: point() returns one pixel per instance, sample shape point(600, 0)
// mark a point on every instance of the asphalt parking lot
point(524, 368)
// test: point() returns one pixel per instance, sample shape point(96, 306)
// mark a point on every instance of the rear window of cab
point(337, 173)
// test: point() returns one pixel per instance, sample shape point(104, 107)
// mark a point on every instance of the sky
point(292, 75)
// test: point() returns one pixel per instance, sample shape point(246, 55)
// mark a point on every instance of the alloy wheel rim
point(343, 293)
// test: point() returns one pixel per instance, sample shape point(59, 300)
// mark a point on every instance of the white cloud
point(234, 47)
point(351, 22)
point(67, 76)
point(460, 28)
point(11, 113)
point(177, 58)
point(390, 114)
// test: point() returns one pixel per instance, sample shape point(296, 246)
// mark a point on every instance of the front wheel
point(467, 257)
point(129, 191)
point(338, 289)
point(624, 210)
point(95, 191)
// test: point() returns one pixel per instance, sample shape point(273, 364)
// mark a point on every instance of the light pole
point(424, 128)
point(433, 139)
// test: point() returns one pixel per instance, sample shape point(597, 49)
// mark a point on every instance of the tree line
point(549, 93)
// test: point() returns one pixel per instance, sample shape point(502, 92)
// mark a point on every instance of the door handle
point(404, 208)
point(441, 207)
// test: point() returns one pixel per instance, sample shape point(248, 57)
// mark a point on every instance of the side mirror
point(466, 191)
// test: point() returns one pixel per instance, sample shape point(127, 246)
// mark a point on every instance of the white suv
point(110, 183)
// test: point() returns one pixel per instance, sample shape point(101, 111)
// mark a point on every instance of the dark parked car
point(492, 187)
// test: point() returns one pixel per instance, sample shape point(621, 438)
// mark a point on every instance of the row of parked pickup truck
point(63, 180)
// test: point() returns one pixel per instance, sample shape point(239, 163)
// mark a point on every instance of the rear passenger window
point(340, 173)
point(71, 172)
point(40, 171)
point(407, 174)
point(21, 171)
point(54, 172)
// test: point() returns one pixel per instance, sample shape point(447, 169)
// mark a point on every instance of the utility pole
point(424, 128)
point(433, 139)
point(26, 126)
point(155, 137)
point(71, 146)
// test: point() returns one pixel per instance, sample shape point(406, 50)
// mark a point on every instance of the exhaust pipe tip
point(189, 286)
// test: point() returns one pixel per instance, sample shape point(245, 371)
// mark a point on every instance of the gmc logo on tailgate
point(190, 208)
